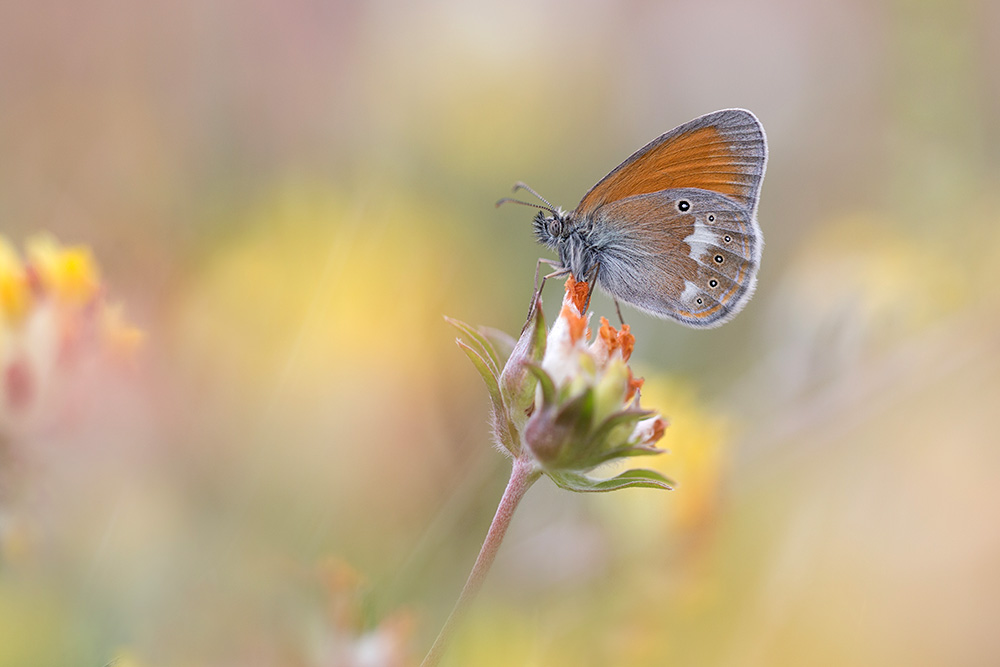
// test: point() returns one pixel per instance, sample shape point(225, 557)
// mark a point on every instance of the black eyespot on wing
point(699, 301)
point(719, 259)
point(683, 205)
point(711, 217)
point(727, 238)
point(713, 283)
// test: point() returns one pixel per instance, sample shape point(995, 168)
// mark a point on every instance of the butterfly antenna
point(511, 200)
point(524, 186)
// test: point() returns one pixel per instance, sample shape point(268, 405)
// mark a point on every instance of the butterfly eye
point(555, 226)
point(719, 259)
point(683, 205)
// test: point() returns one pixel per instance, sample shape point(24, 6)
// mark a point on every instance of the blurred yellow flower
point(290, 292)
point(697, 441)
point(69, 274)
point(122, 338)
point(15, 294)
point(52, 313)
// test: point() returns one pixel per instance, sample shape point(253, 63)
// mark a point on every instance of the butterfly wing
point(724, 152)
point(687, 254)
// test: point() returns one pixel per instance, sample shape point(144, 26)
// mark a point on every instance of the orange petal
point(577, 292)
point(608, 335)
point(577, 323)
point(659, 428)
point(634, 385)
point(626, 341)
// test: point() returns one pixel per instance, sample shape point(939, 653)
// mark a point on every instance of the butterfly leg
point(619, 309)
point(538, 265)
point(560, 270)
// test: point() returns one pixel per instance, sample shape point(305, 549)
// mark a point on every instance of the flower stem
point(522, 476)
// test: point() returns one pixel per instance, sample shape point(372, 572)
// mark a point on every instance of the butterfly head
point(551, 227)
point(552, 224)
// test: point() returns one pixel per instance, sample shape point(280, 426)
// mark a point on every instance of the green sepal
point(627, 451)
point(622, 420)
point(503, 343)
point(517, 382)
point(480, 343)
point(635, 478)
point(577, 414)
point(538, 336)
point(544, 381)
point(505, 431)
point(483, 366)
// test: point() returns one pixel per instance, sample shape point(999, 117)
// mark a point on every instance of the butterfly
point(673, 229)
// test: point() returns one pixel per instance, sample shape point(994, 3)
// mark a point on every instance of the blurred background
point(293, 466)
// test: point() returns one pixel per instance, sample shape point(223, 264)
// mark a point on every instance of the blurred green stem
point(522, 476)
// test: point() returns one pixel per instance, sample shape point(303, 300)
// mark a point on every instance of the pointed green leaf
point(635, 478)
point(479, 343)
point(483, 366)
point(627, 451)
point(503, 343)
point(505, 430)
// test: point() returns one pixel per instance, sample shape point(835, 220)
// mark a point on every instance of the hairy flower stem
point(522, 476)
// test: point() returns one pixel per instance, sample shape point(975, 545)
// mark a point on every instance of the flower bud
point(568, 404)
